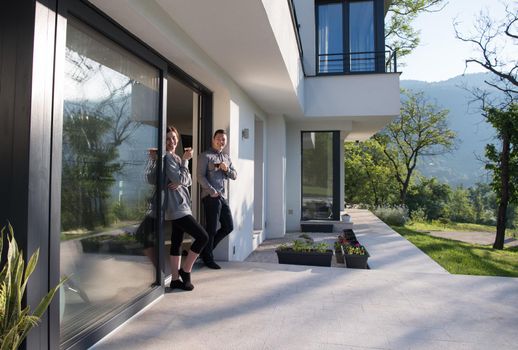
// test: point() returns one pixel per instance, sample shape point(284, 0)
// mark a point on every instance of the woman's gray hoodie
point(177, 202)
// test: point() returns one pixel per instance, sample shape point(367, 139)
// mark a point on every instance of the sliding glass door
point(110, 137)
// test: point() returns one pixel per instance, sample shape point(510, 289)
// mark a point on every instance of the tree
point(503, 164)
point(400, 37)
point(495, 43)
point(430, 195)
point(421, 130)
point(368, 177)
point(460, 207)
point(483, 200)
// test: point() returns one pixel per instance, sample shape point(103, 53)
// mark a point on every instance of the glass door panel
point(110, 137)
point(317, 176)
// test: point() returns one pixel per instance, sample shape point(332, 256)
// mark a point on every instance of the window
point(346, 36)
point(320, 175)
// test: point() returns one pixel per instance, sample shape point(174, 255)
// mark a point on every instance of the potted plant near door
point(305, 252)
point(15, 320)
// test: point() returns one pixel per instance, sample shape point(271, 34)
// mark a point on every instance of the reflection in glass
point(330, 38)
point(317, 175)
point(361, 36)
point(110, 121)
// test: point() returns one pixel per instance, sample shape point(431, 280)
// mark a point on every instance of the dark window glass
point(110, 121)
point(330, 38)
point(317, 175)
point(361, 36)
point(358, 55)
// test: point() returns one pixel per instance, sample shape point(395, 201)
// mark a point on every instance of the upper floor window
point(346, 36)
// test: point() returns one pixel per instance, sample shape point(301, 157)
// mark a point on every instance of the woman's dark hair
point(219, 131)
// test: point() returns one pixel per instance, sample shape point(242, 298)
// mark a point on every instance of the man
point(214, 168)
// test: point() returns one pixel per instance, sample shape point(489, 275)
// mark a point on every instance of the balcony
point(357, 62)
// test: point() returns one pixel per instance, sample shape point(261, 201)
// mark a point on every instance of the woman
point(178, 210)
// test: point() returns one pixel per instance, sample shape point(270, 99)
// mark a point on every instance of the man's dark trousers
point(216, 210)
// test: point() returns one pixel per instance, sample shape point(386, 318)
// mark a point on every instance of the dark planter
point(356, 261)
point(305, 258)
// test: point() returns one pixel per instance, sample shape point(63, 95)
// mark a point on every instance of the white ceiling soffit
point(236, 35)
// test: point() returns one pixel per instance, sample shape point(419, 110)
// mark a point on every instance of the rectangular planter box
point(305, 258)
point(356, 261)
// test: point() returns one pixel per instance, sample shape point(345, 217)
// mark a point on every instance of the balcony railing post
point(395, 61)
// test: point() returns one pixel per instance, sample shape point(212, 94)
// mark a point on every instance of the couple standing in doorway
point(214, 168)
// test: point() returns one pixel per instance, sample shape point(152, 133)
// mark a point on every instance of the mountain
point(464, 165)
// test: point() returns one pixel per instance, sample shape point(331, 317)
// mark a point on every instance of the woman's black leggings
point(187, 224)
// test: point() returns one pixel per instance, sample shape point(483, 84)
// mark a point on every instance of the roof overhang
point(235, 36)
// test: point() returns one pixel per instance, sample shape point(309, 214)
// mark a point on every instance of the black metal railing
point(357, 62)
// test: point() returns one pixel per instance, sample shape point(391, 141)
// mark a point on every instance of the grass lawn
point(457, 226)
point(464, 258)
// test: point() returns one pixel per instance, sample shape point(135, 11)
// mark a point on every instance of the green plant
point(304, 246)
point(15, 322)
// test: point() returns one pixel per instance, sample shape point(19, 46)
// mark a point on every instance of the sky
point(440, 55)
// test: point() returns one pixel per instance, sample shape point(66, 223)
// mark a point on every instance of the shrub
point(396, 216)
point(418, 215)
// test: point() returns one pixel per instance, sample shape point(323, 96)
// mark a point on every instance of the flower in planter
point(356, 249)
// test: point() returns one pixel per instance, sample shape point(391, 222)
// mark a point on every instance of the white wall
point(275, 182)
point(352, 95)
point(306, 17)
point(280, 20)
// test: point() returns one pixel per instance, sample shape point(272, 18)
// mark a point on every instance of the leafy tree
point(368, 177)
point(421, 130)
point(460, 207)
point(495, 43)
point(483, 200)
point(503, 164)
point(88, 166)
point(400, 37)
point(430, 195)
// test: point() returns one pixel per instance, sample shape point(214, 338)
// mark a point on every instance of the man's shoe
point(212, 265)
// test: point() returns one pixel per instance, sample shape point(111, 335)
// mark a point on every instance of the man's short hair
point(219, 131)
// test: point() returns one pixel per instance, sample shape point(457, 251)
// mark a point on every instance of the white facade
point(246, 53)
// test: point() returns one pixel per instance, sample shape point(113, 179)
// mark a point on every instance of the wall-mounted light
point(245, 133)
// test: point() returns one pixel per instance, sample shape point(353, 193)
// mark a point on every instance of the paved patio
point(405, 301)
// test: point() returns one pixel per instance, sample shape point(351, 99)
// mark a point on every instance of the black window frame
point(379, 37)
point(336, 173)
